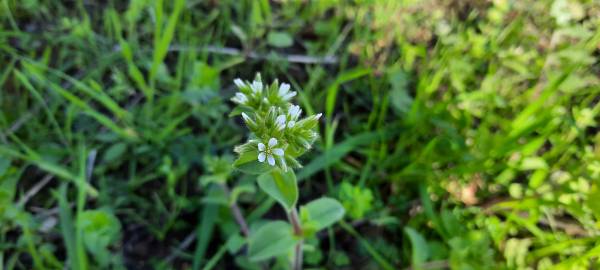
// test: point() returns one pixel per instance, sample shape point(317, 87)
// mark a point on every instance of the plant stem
point(295, 221)
point(237, 213)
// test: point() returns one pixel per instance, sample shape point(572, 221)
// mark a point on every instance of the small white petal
point(261, 147)
point(283, 89)
point(261, 157)
point(272, 142)
point(318, 116)
point(245, 116)
point(271, 160)
point(238, 82)
point(257, 86)
point(291, 124)
point(294, 111)
point(277, 151)
point(280, 122)
point(289, 95)
point(241, 97)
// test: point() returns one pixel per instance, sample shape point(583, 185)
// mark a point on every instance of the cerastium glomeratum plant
point(279, 135)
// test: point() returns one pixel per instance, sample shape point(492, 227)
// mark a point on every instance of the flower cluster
point(278, 134)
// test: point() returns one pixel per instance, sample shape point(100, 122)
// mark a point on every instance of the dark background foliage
point(458, 134)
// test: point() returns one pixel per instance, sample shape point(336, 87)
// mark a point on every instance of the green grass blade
point(67, 227)
point(204, 233)
point(161, 45)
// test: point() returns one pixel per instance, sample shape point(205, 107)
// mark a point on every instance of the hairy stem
point(237, 213)
point(295, 221)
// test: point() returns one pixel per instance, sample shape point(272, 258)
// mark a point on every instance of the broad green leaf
point(272, 239)
point(281, 186)
point(324, 212)
point(420, 250)
point(100, 229)
point(235, 243)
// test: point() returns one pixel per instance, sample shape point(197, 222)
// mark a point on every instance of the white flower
point(294, 111)
point(239, 83)
point(246, 117)
point(267, 152)
point(280, 122)
point(240, 98)
point(284, 92)
point(256, 87)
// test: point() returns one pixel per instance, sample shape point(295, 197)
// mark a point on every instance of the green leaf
point(324, 212)
point(281, 186)
point(400, 98)
point(248, 163)
point(420, 250)
point(100, 229)
point(254, 167)
point(114, 152)
point(67, 227)
point(272, 239)
point(238, 190)
point(204, 231)
point(593, 200)
point(235, 243)
point(280, 39)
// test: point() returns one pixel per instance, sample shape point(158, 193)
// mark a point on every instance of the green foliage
point(281, 186)
point(100, 230)
point(420, 250)
point(218, 169)
point(357, 201)
point(321, 213)
point(456, 134)
point(272, 239)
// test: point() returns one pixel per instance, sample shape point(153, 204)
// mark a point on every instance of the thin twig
point(237, 213)
point(298, 256)
point(182, 246)
point(35, 189)
point(292, 58)
point(295, 220)
point(17, 124)
point(90, 161)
